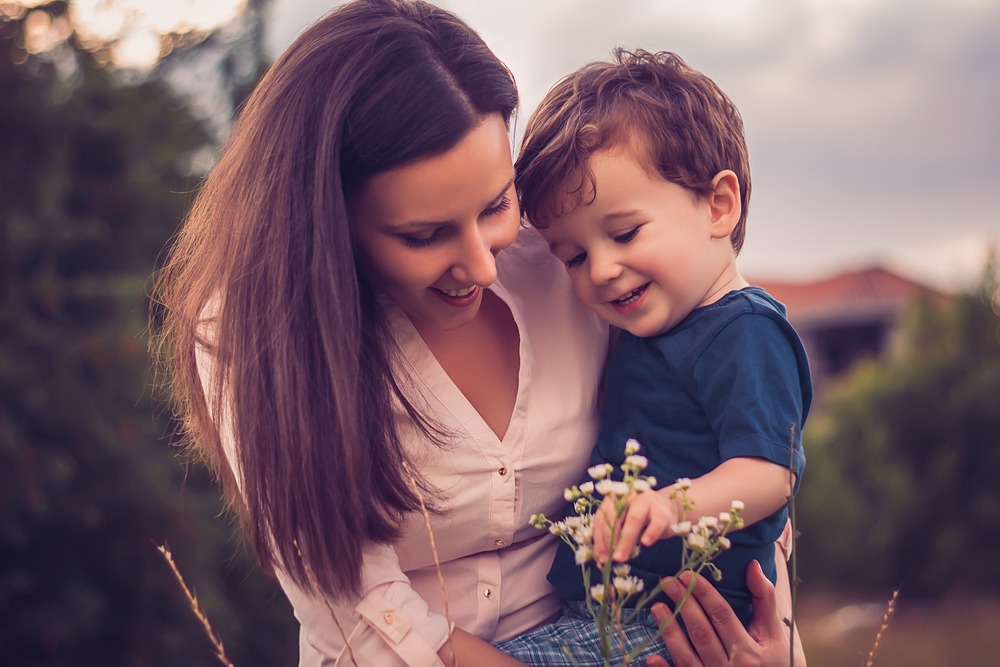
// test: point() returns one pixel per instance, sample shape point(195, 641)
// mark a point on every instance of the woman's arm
point(715, 636)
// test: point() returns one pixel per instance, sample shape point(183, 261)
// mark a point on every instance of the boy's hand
point(649, 518)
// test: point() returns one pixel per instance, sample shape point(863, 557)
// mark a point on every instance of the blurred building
point(847, 317)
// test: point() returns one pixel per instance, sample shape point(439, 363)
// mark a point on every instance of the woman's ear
point(724, 204)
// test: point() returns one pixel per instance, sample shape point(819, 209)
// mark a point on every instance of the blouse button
point(388, 619)
point(502, 471)
point(499, 543)
point(487, 593)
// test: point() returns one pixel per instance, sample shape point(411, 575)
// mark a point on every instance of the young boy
point(636, 173)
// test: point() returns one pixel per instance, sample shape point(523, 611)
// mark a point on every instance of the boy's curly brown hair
point(676, 119)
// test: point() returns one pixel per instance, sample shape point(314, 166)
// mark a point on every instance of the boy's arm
point(762, 486)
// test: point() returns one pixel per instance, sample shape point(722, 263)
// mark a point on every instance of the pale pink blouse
point(492, 561)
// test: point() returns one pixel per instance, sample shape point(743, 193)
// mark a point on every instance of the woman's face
point(428, 232)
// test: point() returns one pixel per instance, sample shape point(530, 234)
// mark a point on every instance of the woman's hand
point(716, 637)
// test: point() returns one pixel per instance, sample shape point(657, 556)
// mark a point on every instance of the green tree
point(901, 487)
point(94, 178)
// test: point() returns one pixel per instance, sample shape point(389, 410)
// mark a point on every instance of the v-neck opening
point(432, 375)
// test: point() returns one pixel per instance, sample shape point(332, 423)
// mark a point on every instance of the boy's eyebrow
point(618, 215)
point(419, 224)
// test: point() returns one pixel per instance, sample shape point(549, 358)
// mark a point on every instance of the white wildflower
point(724, 542)
point(600, 471)
point(587, 488)
point(583, 554)
point(641, 486)
point(683, 483)
point(725, 518)
point(737, 506)
point(622, 570)
point(696, 541)
point(636, 461)
point(682, 528)
point(631, 446)
point(711, 522)
point(628, 585)
point(603, 486)
point(620, 488)
point(597, 592)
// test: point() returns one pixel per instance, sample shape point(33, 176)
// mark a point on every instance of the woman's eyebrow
point(503, 190)
point(411, 225)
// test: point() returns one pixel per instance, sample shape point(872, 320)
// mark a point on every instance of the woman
point(346, 347)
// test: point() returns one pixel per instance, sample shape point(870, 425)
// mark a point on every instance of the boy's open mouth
point(629, 297)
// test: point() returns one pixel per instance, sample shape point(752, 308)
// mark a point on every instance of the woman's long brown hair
point(262, 276)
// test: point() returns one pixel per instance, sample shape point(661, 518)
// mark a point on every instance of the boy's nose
point(603, 269)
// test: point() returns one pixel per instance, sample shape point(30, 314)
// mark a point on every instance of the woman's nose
point(476, 264)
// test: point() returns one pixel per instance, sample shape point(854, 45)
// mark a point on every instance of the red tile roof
point(863, 293)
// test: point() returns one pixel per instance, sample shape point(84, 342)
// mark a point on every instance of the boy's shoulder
point(749, 310)
point(718, 315)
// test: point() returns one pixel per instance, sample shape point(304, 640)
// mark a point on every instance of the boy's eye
point(627, 236)
point(576, 260)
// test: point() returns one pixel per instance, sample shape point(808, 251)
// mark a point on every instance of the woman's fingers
point(678, 647)
point(707, 616)
point(764, 624)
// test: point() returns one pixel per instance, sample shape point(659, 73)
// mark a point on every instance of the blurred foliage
point(901, 488)
point(94, 178)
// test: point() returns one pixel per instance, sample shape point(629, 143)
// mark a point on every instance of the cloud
point(872, 124)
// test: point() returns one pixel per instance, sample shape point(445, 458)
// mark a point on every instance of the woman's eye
point(576, 260)
point(627, 236)
point(502, 206)
point(421, 241)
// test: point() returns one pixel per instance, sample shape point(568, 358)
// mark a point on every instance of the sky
point(873, 125)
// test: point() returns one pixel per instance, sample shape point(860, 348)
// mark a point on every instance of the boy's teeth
point(630, 297)
point(465, 291)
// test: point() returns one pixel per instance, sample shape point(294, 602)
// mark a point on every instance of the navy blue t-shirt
point(728, 381)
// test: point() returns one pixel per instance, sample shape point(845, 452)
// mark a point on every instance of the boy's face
point(646, 251)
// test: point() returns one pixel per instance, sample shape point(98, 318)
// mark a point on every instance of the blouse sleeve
point(389, 626)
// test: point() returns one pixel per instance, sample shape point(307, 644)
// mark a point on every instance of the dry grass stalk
point(437, 560)
point(794, 575)
point(881, 631)
point(220, 652)
point(333, 615)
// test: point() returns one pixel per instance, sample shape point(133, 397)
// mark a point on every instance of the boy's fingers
point(656, 529)
point(602, 525)
point(635, 520)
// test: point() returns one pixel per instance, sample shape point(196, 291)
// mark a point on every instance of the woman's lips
point(459, 298)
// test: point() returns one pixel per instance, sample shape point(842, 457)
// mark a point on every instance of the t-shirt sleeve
point(750, 382)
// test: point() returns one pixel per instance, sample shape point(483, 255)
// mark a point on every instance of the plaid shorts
point(577, 631)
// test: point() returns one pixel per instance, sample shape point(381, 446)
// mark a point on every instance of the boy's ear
point(724, 204)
